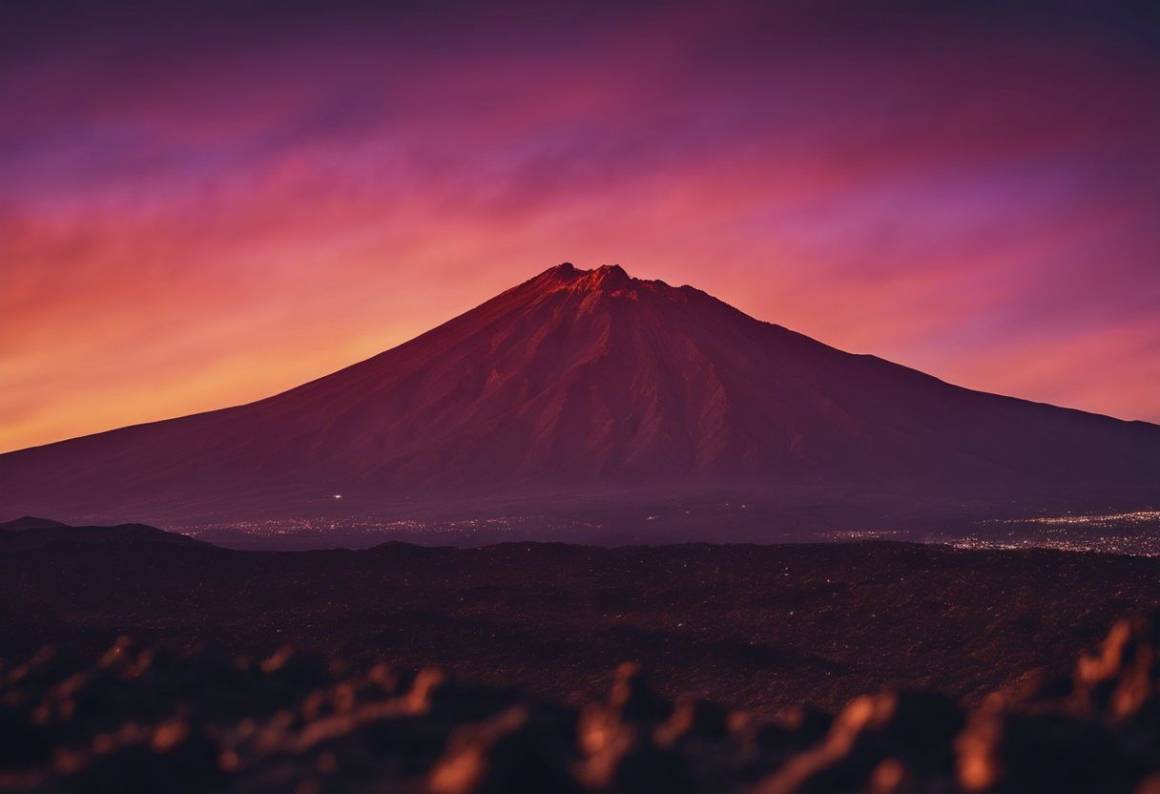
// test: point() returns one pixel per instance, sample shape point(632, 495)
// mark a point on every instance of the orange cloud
point(187, 226)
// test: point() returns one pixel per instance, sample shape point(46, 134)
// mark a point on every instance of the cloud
point(203, 209)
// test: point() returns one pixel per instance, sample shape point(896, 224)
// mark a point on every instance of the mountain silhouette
point(593, 386)
point(30, 522)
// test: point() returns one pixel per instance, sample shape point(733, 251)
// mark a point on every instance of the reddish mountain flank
point(594, 387)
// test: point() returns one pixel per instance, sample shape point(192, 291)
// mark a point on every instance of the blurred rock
point(141, 719)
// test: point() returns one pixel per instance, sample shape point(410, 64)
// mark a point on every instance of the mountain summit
point(584, 386)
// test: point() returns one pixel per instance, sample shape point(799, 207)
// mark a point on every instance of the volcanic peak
point(580, 381)
point(603, 279)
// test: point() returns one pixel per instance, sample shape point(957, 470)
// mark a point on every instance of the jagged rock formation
point(139, 719)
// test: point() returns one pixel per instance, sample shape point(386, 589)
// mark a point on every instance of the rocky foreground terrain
point(140, 719)
point(489, 669)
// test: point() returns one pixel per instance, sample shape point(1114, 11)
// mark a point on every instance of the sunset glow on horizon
point(203, 209)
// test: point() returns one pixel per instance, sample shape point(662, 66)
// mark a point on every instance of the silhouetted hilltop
point(57, 534)
point(29, 522)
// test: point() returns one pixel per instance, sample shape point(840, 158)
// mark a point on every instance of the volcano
point(590, 387)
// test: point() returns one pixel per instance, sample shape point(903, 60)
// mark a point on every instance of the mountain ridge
point(581, 380)
point(568, 266)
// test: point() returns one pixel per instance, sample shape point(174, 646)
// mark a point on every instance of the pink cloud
point(188, 226)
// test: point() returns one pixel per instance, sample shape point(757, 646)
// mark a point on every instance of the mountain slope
point(578, 381)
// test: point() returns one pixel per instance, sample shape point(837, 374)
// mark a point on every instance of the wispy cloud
point(202, 209)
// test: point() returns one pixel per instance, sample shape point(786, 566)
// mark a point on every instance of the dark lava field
point(139, 661)
point(757, 627)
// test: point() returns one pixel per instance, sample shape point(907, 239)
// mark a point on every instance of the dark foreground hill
point(582, 388)
point(47, 536)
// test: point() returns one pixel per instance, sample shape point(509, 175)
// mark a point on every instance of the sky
point(205, 203)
